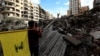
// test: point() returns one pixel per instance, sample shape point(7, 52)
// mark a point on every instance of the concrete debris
point(85, 28)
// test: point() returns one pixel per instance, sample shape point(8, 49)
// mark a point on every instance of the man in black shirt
point(33, 36)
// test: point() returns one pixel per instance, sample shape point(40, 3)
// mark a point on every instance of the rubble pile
point(80, 27)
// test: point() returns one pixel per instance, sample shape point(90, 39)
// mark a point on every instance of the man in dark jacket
point(33, 36)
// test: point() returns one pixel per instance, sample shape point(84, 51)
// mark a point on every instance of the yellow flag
point(15, 43)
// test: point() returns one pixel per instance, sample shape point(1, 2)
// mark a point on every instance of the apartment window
point(36, 10)
point(25, 5)
point(21, 7)
point(26, 16)
point(21, 3)
point(17, 15)
point(17, 1)
point(25, 12)
point(31, 10)
point(7, 8)
point(22, 12)
point(22, 16)
point(31, 13)
point(30, 16)
point(2, 9)
point(17, 10)
point(25, 1)
point(26, 8)
point(17, 5)
point(31, 7)
point(10, 4)
point(8, 14)
point(36, 13)
point(5, 3)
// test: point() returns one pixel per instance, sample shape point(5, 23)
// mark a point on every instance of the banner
point(15, 43)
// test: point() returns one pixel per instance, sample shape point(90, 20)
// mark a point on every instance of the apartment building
point(45, 14)
point(84, 9)
point(25, 9)
point(96, 3)
point(31, 11)
point(49, 16)
point(68, 12)
point(42, 13)
point(20, 9)
point(11, 8)
point(36, 12)
point(74, 6)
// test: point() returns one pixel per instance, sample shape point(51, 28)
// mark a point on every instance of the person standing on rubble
point(34, 33)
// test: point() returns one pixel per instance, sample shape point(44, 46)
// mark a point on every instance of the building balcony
point(9, 1)
point(26, 3)
point(26, 6)
point(30, 16)
point(9, 11)
point(25, 14)
point(26, 10)
point(5, 6)
point(17, 12)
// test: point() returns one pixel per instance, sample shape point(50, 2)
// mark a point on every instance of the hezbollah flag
point(15, 43)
